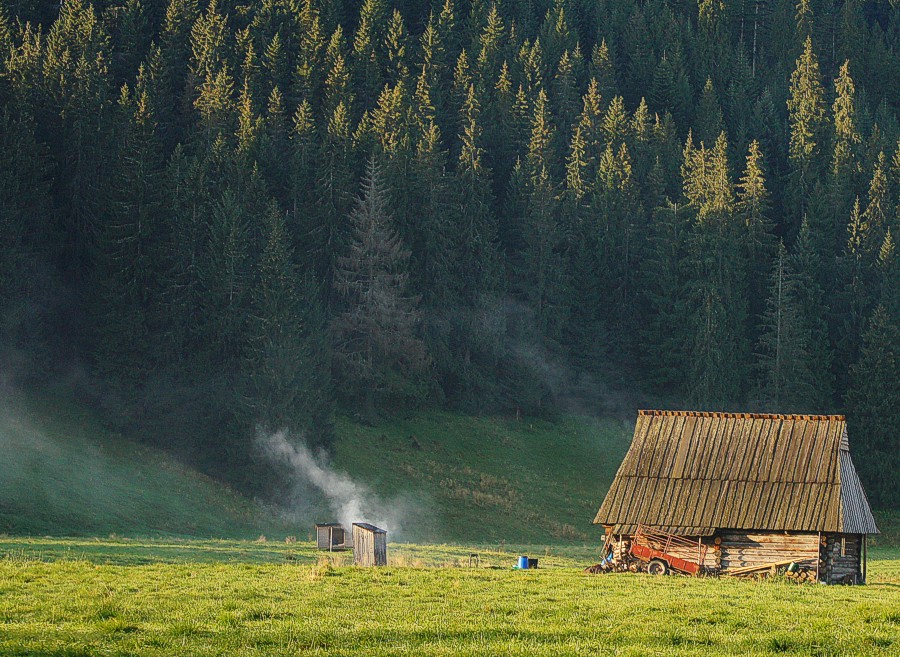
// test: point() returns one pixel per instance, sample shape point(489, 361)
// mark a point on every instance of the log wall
point(739, 549)
point(842, 559)
point(823, 554)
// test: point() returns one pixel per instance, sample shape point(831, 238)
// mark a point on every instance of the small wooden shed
point(330, 536)
point(756, 489)
point(369, 545)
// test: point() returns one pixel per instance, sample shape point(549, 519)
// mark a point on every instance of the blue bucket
point(523, 563)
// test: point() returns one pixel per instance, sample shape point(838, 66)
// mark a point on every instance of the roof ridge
point(744, 416)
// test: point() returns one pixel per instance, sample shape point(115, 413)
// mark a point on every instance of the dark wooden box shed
point(330, 536)
point(369, 545)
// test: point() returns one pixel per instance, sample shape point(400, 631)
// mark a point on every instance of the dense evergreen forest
point(243, 212)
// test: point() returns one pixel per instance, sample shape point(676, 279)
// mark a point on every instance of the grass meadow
point(505, 486)
point(79, 597)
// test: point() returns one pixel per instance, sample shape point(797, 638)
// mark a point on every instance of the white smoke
point(348, 500)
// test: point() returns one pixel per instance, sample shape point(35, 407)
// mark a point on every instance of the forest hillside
point(233, 214)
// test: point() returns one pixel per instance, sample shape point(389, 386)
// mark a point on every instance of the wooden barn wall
point(842, 563)
point(737, 549)
point(740, 548)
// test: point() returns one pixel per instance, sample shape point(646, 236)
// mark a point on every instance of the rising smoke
point(347, 499)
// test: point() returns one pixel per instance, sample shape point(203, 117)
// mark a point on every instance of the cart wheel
point(658, 567)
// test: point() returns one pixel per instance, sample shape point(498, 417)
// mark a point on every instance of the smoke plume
point(347, 499)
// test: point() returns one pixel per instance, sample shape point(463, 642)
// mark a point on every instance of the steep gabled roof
point(690, 473)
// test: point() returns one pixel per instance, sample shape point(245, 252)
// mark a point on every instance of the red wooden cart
point(662, 551)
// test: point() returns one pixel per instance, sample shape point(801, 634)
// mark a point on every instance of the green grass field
point(124, 598)
point(135, 579)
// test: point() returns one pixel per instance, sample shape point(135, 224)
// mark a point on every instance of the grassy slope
point(272, 599)
point(455, 478)
point(488, 479)
point(61, 473)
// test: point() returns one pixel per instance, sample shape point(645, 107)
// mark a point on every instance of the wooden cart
point(664, 552)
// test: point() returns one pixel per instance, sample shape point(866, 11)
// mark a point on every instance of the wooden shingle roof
point(691, 473)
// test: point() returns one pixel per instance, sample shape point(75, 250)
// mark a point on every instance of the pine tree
point(787, 379)
point(845, 170)
point(543, 240)
point(380, 361)
point(709, 115)
point(753, 209)
point(806, 109)
point(873, 413)
point(287, 361)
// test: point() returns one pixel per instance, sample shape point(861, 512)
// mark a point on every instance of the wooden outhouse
point(330, 536)
point(757, 490)
point(369, 545)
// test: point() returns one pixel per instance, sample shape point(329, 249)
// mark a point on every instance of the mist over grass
point(431, 477)
point(62, 473)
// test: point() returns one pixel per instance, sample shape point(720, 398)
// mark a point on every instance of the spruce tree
point(717, 297)
point(380, 361)
point(845, 170)
point(127, 262)
point(787, 380)
point(287, 361)
point(709, 115)
point(806, 114)
point(542, 260)
point(873, 412)
point(753, 209)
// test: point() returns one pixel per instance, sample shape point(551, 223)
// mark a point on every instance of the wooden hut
point(758, 490)
point(369, 545)
point(330, 536)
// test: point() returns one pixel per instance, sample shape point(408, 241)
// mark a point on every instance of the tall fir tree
point(380, 361)
point(806, 115)
point(874, 416)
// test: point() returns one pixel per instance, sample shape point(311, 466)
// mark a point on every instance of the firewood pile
point(789, 569)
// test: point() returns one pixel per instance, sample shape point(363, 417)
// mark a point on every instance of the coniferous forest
point(233, 213)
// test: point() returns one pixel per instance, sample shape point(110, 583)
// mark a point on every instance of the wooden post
point(819, 555)
point(865, 557)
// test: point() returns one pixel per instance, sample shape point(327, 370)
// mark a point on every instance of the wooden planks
point(369, 545)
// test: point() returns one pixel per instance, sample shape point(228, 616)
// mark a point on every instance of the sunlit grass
point(244, 598)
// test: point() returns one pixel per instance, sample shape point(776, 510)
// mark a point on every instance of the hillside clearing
point(445, 476)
